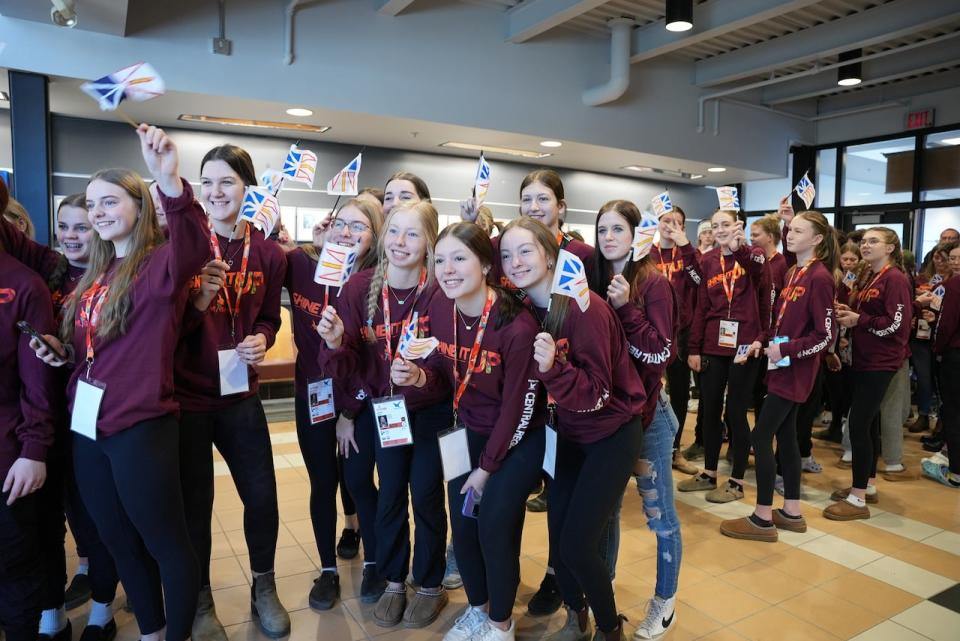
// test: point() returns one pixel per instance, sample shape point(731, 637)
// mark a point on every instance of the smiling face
point(849, 261)
point(673, 219)
point(540, 203)
point(614, 236)
point(397, 192)
point(74, 233)
point(405, 239)
point(803, 238)
point(112, 211)
point(457, 269)
point(723, 225)
point(221, 190)
point(522, 258)
point(352, 229)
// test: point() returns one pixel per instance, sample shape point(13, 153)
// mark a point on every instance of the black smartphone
point(26, 328)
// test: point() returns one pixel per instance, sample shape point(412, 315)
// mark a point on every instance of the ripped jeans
point(656, 490)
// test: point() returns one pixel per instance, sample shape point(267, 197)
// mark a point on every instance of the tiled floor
point(892, 578)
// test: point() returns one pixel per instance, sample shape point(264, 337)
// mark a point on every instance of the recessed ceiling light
point(716, 170)
point(850, 75)
point(299, 111)
point(495, 150)
point(849, 82)
point(636, 168)
point(551, 143)
point(695, 176)
point(679, 15)
point(259, 124)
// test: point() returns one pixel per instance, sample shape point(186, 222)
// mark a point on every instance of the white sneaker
point(661, 616)
point(466, 624)
point(847, 456)
point(489, 632)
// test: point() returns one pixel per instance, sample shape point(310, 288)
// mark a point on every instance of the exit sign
point(920, 119)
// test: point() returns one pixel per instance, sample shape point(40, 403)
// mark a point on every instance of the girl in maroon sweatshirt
point(583, 359)
point(946, 346)
point(678, 260)
point(645, 304)
point(486, 356)
point(231, 321)
point(729, 327)
point(130, 302)
point(361, 345)
point(802, 332)
point(357, 224)
point(879, 316)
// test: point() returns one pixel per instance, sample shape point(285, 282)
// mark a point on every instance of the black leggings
point(21, 568)
point(678, 382)
point(778, 419)
point(869, 388)
point(358, 476)
point(488, 548)
point(242, 437)
point(102, 571)
point(413, 471)
point(588, 486)
point(318, 443)
point(838, 386)
point(130, 483)
point(950, 398)
point(719, 374)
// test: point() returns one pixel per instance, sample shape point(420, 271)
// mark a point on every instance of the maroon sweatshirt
point(27, 384)
point(580, 249)
point(947, 334)
point(681, 266)
point(750, 305)
point(808, 322)
point(361, 358)
point(306, 301)
point(137, 366)
point(197, 368)
point(648, 323)
point(881, 337)
point(37, 257)
point(70, 282)
point(593, 382)
point(503, 399)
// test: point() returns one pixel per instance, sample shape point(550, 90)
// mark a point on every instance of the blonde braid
point(376, 285)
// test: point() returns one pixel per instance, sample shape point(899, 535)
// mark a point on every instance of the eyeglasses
point(871, 241)
point(356, 228)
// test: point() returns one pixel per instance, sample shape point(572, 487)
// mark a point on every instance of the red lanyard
point(388, 349)
point(873, 282)
point(666, 268)
point(90, 313)
point(461, 386)
point(728, 289)
point(786, 293)
point(241, 281)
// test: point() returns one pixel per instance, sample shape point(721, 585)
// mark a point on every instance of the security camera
point(64, 13)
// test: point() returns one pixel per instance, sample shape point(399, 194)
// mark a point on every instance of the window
point(941, 166)
point(934, 222)
point(765, 195)
point(826, 179)
point(879, 172)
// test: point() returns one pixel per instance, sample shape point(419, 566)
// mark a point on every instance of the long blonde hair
point(429, 220)
point(146, 237)
point(374, 216)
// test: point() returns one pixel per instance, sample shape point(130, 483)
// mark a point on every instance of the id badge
point(393, 423)
point(233, 373)
point(86, 408)
point(550, 451)
point(783, 362)
point(454, 453)
point(728, 334)
point(320, 400)
point(923, 330)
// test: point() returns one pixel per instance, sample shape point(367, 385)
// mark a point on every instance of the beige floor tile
point(231, 519)
point(831, 613)
point(908, 577)
point(715, 557)
point(806, 566)
point(889, 631)
point(931, 620)
point(363, 614)
point(946, 541)
point(930, 559)
point(839, 550)
point(233, 604)
point(337, 623)
point(881, 598)
point(774, 624)
point(220, 546)
point(721, 601)
point(226, 573)
point(725, 634)
point(295, 510)
point(689, 624)
point(766, 582)
point(902, 526)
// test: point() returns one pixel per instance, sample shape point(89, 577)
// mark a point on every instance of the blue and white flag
point(570, 279)
point(661, 204)
point(806, 191)
point(346, 182)
point(729, 198)
point(481, 184)
point(300, 165)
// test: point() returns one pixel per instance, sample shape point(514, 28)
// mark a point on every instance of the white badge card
point(728, 333)
point(393, 423)
point(550, 452)
point(86, 408)
point(923, 330)
point(783, 362)
point(743, 353)
point(320, 399)
point(233, 373)
point(454, 453)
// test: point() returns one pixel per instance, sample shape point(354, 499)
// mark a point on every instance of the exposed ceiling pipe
point(620, 29)
point(291, 12)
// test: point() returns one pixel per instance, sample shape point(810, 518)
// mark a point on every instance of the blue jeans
point(656, 490)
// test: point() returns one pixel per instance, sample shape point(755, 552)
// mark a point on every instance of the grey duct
point(620, 29)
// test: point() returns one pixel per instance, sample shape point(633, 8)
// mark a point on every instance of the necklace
point(400, 301)
point(464, 321)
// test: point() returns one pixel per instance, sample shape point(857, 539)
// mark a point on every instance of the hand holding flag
point(570, 279)
point(137, 82)
point(481, 184)
point(410, 347)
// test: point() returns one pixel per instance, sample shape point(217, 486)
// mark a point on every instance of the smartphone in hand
point(27, 329)
point(471, 504)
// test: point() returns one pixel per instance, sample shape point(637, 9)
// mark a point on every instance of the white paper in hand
point(233, 373)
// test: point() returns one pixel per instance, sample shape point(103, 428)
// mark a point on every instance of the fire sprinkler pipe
point(291, 12)
point(616, 86)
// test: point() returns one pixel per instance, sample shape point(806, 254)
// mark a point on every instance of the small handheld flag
point(271, 180)
point(729, 198)
point(335, 265)
point(345, 183)
point(481, 184)
point(300, 165)
point(643, 236)
point(411, 347)
point(806, 191)
point(137, 83)
point(260, 208)
point(570, 279)
point(661, 204)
